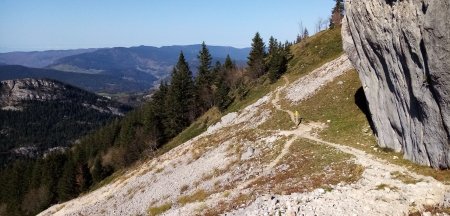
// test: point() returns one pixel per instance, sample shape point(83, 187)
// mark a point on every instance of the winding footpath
point(378, 192)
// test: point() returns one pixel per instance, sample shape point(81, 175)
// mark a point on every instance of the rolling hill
point(39, 114)
point(90, 82)
point(131, 62)
point(38, 59)
point(110, 70)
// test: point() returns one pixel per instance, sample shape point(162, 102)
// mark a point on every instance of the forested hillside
point(144, 132)
point(37, 116)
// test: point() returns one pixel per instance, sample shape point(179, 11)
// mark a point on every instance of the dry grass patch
point(157, 210)
point(184, 188)
point(159, 170)
point(434, 210)
point(198, 196)
point(386, 186)
point(405, 178)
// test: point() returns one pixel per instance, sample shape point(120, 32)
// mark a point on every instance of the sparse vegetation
point(197, 196)
point(405, 178)
point(157, 210)
point(384, 186)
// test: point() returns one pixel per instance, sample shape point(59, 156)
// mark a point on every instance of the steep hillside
point(91, 82)
point(38, 115)
point(38, 59)
point(262, 159)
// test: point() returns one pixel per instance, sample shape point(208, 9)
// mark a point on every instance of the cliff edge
point(401, 50)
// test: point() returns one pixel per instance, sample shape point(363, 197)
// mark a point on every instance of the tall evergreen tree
point(273, 45)
point(154, 115)
point(256, 57)
point(66, 185)
point(337, 14)
point(229, 64)
point(277, 61)
point(204, 80)
point(180, 106)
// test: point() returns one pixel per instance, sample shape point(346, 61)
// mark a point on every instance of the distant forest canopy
point(30, 186)
point(41, 125)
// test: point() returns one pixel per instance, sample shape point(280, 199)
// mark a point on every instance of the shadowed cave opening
point(363, 105)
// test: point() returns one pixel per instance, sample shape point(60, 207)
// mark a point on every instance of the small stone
point(321, 190)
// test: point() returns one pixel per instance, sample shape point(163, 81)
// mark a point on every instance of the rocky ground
point(245, 165)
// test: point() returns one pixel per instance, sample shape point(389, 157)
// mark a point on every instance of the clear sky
point(27, 25)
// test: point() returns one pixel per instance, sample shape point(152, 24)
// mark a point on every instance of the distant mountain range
point(38, 59)
point(110, 70)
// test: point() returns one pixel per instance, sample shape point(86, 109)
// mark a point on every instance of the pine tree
point(305, 33)
point(256, 57)
point(204, 80)
point(154, 115)
point(180, 106)
point(337, 14)
point(273, 46)
point(277, 60)
point(221, 90)
point(66, 184)
point(229, 64)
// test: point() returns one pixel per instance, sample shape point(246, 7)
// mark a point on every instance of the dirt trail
point(362, 198)
point(276, 100)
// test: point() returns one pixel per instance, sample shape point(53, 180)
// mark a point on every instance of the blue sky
point(27, 25)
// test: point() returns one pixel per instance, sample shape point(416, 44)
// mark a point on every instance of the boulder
point(401, 50)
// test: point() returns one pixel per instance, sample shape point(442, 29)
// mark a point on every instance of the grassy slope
point(349, 125)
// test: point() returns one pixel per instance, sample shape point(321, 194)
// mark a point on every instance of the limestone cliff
point(401, 50)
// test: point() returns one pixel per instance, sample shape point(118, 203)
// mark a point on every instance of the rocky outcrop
point(401, 50)
point(12, 92)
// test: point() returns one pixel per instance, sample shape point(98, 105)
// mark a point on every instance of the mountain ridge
point(41, 114)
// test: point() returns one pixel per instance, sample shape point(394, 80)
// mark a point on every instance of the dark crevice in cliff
point(391, 2)
point(424, 7)
point(363, 105)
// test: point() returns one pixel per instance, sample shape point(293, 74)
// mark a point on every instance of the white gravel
point(307, 85)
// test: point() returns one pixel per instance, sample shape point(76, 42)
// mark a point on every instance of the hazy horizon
point(60, 25)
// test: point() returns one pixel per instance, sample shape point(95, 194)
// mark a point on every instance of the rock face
point(13, 92)
point(401, 50)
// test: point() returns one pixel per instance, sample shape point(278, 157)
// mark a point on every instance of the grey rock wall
point(401, 50)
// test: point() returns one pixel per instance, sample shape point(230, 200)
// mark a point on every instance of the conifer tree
point(256, 57)
point(228, 65)
point(273, 46)
point(337, 14)
point(204, 80)
point(154, 115)
point(221, 91)
point(180, 107)
point(278, 60)
point(66, 184)
point(305, 33)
